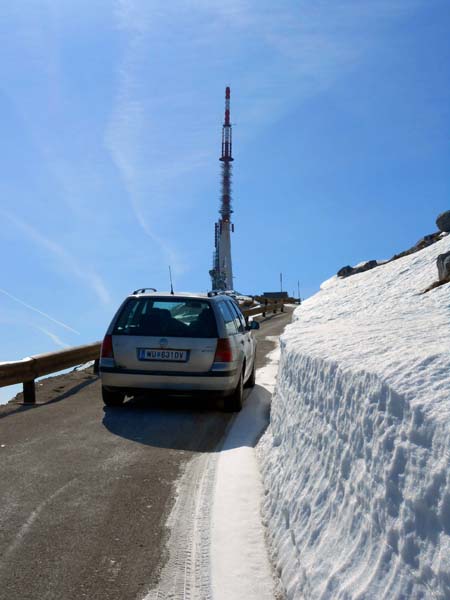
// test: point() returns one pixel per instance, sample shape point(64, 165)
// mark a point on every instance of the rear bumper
point(133, 380)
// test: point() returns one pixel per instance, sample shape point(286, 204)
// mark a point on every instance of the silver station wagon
point(178, 343)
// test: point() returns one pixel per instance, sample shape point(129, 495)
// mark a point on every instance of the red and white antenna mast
point(222, 273)
point(226, 158)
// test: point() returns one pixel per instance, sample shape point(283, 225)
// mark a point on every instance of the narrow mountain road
point(85, 491)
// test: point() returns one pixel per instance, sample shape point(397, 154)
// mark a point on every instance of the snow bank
point(356, 459)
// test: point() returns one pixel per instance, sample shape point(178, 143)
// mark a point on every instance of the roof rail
point(216, 293)
point(143, 290)
point(229, 293)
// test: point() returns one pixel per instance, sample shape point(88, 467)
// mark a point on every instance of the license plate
point(157, 354)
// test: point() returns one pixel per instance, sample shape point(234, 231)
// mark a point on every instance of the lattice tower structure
point(222, 271)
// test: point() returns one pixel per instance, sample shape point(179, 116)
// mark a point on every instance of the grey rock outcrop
point(426, 241)
point(443, 265)
point(443, 221)
point(346, 271)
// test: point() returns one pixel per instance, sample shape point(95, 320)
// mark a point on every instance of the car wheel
point(112, 398)
point(233, 403)
point(251, 381)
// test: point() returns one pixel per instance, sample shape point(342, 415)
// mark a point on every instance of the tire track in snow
point(186, 575)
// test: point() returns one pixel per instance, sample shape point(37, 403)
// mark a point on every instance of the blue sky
point(111, 123)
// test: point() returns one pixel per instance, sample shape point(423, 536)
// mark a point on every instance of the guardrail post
point(282, 306)
point(29, 392)
point(264, 309)
point(27, 370)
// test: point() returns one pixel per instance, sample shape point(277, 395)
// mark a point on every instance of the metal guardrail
point(26, 371)
point(265, 305)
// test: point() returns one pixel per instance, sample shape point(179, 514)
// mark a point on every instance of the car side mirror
point(252, 326)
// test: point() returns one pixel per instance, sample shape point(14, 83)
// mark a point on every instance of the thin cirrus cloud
point(124, 141)
point(56, 339)
point(39, 312)
point(151, 159)
point(70, 264)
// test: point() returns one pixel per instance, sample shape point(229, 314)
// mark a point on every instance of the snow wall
point(356, 461)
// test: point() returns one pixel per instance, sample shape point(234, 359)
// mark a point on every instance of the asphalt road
point(85, 490)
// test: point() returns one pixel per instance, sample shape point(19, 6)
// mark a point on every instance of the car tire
point(112, 398)
point(251, 381)
point(233, 403)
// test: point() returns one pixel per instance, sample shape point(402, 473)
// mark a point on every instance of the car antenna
point(171, 284)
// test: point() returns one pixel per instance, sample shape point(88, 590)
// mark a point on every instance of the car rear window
point(174, 317)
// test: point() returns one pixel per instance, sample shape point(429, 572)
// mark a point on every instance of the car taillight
point(223, 351)
point(107, 349)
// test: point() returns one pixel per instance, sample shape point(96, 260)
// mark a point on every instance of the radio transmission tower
point(222, 271)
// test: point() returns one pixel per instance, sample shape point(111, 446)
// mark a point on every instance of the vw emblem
point(163, 343)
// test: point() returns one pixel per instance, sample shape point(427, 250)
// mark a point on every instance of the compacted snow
point(356, 459)
point(217, 544)
point(240, 566)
